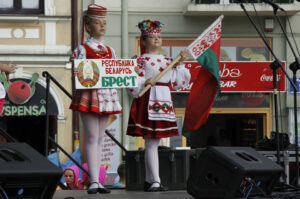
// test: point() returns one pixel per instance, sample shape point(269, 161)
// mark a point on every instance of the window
point(245, 49)
point(232, 49)
point(21, 6)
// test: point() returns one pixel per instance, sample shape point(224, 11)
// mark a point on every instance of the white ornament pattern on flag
point(206, 39)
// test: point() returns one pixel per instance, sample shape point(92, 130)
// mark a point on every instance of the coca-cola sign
point(242, 76)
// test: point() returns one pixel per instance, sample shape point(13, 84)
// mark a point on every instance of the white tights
point(94, 127)
point(151, 161)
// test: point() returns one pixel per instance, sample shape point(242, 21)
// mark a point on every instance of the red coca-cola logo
point(269, 78)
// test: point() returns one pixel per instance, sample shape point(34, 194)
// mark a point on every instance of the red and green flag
point(206, 87)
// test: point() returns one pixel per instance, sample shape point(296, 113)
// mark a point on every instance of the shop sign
point(291, 89)
point(25, 97)
point(105, 73)
point(292, 133)
point(242, 76)
point(242, 100)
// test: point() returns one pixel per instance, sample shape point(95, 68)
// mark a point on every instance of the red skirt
point(140, 125)
point(86, 100)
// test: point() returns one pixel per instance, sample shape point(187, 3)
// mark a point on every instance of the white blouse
point(160, 103)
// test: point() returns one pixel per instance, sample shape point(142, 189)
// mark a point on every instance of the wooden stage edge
point(124, 194)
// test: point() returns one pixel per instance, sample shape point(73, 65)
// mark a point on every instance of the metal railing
point(49, 77)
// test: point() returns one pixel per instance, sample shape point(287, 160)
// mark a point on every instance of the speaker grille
point(25, 173)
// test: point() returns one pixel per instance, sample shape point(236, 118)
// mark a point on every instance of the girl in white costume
point(152, 115)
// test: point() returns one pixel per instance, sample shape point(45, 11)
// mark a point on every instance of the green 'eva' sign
point(105, 73)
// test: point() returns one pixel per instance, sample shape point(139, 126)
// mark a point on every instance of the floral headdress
point(148, 27)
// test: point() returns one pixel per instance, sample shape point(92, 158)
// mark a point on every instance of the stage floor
point(124, 194)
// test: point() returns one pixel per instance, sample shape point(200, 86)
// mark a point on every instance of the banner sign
point(242, 76)
point(111, 152)
point(105, 73)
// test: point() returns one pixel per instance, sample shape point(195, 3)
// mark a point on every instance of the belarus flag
point(206, 50)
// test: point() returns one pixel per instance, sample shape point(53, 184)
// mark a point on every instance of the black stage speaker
point(228, 172)
point(25, 173)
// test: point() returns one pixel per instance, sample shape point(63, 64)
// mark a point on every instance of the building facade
point(36, 35)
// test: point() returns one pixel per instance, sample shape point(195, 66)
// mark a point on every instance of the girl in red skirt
point(152, 115)
point(95, 105)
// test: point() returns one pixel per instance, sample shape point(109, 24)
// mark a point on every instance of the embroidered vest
point(101, 54)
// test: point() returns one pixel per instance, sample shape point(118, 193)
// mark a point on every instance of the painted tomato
point(19, 92)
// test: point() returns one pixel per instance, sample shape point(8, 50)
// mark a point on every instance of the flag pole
point(178, 58)
point(160, 75)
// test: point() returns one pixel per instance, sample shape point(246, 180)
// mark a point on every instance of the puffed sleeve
point(78, 53)
point(134, 92)
point(113, 52)
point(180, 77)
